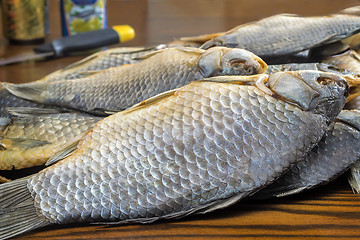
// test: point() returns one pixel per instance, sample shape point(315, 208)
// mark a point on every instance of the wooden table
point(328, 212)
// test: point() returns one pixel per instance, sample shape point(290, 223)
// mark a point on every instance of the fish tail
point(28, 91)
point(18, 213)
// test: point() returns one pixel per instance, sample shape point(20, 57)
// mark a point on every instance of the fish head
point(320, 92)
point(218, 61)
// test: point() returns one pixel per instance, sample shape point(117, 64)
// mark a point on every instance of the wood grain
point(328, 212)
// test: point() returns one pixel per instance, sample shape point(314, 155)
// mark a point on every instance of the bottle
point(25, 21)
point(79, 16)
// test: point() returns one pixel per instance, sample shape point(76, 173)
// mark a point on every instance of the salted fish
point(30, 136)
point(282, 35)
point(118, 88)
point(338, 150)
point(192, 150)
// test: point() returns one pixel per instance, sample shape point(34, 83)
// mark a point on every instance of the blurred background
point(160, 21)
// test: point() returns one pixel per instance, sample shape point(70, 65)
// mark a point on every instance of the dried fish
point(30, 136)
point(116, 89)
point(281, 35)
point(192, 150)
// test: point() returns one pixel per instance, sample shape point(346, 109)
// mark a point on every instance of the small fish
point(195, 149)
point(30, 136)
point(116, 89)
point(287, 34)
point(337, 151)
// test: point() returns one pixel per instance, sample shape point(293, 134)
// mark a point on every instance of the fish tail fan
point(18, 213)
point(28, 91)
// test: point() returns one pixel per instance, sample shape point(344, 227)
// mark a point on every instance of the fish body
point(28, 140)
point(287, 34)
point(337, 151)
point(192, 150)
point(119, 88)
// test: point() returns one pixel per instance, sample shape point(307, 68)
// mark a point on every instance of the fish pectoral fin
point(291, 192)
point(202, 38)
point(20, 143)
point(30, 91)
point(63, 153)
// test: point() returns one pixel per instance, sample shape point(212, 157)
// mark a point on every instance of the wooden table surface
point(328, 212)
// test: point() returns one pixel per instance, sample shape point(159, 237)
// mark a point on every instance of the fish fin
point(18, 213)
point(148, 55)
point(354, 178)
point(149, 101)
point(179, 48)
point(129, 50)
point(4, 122)
point(63, 153)
point(350, 117)
point(202, 38)
point(291, 192)
point(28, 111)
point(30, 91)
point(23, 143)
point(81, 62)
point(4, 180)
point(222, 79)
point(87, 73)
point(251, 79)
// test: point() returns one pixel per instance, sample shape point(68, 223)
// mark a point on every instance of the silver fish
point(116, 89)
point(287, 34)
point(337, 151)
point(30, 136)
point(192, 150)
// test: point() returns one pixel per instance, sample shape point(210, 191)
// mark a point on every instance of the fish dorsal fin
point(179, 48)
point(65, 152)
point(150, 54)
point(130, 50)
point(85, 74)
point(81, 62)
point(202, 38)
point(149, 101)
point(242, 80)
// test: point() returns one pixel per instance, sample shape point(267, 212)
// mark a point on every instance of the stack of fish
point(184, 130)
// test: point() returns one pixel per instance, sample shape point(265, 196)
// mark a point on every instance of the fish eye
point(325, 81)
